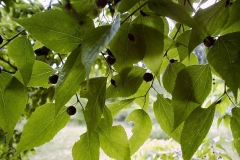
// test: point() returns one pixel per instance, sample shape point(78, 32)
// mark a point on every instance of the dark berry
point(68, 5)
point(109, 53)
point(148, 77)
point(111, 60)
point(53, 79)
point(116, 1)
point(101, 3)
point(71, 110)
point(42, 51)
point(1, 39)
point(219, 101)
point(228, 3)
point(172, 60)
point(131, 37)
point(209, 41)
point(1, 69)
point(113, 82)
point(143, 13)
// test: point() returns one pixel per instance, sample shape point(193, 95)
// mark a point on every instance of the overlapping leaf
point(21, 51)
point(225, 59)
point(56, 29)
point(87, 148)
point(42, 126)
point(12, 103)
point(233, 14)
point(125, 5)
point(235, 122)
point(96, 95)
point(70, 77)
point(117, 106)
point(127, 85)
point(95, 41)
point(170, 75)
point(114, 143)
point(192, 86)
point(141, 130)
point(195, 130)
point(163, 112)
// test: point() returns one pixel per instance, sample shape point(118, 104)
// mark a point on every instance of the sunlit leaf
point(96, 95)
point(163, 112)
point(125, 5)
point(235, 122)
point(192, 86)
point(117, 106)
point(70, 77)
point(21, 51)
point(56, 29)
point(195, 130)
point(95, 41)
point(12, 103)
point(115, 144)
point(42, 126)
point(225, 59)
point(141, 130)
point(87, 148)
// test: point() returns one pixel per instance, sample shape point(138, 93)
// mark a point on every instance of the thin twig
point(9, 40)
point(133, 12)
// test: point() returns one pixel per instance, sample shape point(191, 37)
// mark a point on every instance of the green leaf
point(70, 77)
point(163, 112)
point(12, 103)
point(42, 126)
point(117, 106)
point(212, 19)
point(172, 10)
point(5, 79)
point(95, 41)
point(225, 59)
point(184, 40)
point(40, 74)
point(127, 84)
point(141, 130)
point(56, 29)
point(125, 5)
point(195, 130)
point(170, 75)
point(195, 39)
point(96, 95)
point(233, 14)
point(192, 86)
point(87, 148)
point(20, 50)
point(108, 119)
point(115, 144)
point(234, 123)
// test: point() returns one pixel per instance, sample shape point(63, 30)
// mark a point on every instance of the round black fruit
point(1, 39)
point(53, 79)
point(113, 82)
point(209, 41)
point(148, 77)
point(111, 60)
point(71, 110)
point(101, 3)
point(131, 37)
point(172, 60)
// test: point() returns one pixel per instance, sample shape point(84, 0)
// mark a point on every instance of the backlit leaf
point(115, 144)
point(117, 106)
point(96, 95)
point(95, 41)
point(235, 122)
point(21, 51)
point(56, 29)
point(163, 112)
point(195, 130)
point(192, 86)
point(12, 103)
point(141, 130)
point(42, 126)
point(125, 5)
point(225, 59)
point(70, 77)
point(87, 148)
point(170, 75)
